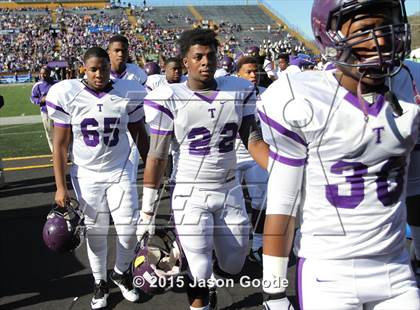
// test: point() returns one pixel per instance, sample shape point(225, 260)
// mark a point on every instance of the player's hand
point(278, 304)
point(43, 101)
point(61, 197)
point(146, 224)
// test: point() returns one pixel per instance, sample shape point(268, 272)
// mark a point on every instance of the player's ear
point(185, 62)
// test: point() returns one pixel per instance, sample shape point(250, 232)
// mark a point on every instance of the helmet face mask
point(64, 230)
point(328, 18)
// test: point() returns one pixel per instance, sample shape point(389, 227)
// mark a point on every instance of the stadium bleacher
point(63, 33)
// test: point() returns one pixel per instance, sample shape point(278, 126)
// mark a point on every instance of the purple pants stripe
point(299, 267)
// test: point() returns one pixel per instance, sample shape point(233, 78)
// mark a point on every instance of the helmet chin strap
point(392, 99)
point(362, 101)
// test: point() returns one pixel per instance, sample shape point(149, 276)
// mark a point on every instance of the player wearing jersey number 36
point(339, 147)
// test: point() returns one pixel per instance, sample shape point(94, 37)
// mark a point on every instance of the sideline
point(26, 157)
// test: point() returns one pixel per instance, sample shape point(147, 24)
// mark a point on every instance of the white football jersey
point(131, 72)
point(156, 80)
point(242, 154)
point(221, 72)
point(204, 128)
point(354, 167)
point(98, 121)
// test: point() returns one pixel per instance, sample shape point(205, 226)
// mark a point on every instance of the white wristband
point(150, 195)
point(274, 274)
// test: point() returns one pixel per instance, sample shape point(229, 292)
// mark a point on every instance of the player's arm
point(61, 142)
point(251, 136)
point(153, 173)
point(160, 119)
point(36, 95)
point(141, 138)
point(283, 194)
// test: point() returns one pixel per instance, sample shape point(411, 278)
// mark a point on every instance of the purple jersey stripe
point(138, 107)
point(56, 107)
point(61, 125)
point(157, 106)
point(373, 109)
point(284, 131)
point(161, 132)
point(208, 99)
point(299, 268)
point(287, 161)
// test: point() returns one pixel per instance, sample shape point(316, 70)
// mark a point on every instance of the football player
point(248, 170)
point(38, 95)
point(121, 70)
point(202, 116)
point(339, 147)
point(227, 67)
point(94, 117)
point(119, 55)
point(173, 74)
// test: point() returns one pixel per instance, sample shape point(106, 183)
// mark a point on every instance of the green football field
point(23, 140)
point(17, 100)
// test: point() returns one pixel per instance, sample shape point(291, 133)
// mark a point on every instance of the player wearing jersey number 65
point(202, 117)
point(94, 118)
point(339, 146)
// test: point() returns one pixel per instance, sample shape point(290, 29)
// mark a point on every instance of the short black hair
point(284, 56)
point(173, 59)
point(199, 36)
point(118, 38)
point(95, 51)
point(246, 60)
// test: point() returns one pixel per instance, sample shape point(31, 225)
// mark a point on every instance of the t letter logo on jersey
point(378, 134)
point(100, 107)
point(212, 112)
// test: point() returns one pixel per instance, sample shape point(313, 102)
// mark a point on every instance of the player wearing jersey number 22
point(202, 117)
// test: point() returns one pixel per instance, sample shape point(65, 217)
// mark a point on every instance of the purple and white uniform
point(156, 80)
point(207, 201)
point(101, 170)
point(350, 171)
point(131, 72)
point(39, 90)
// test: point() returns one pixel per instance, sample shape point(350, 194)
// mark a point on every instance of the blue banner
point(10, 79)
point(107, 28)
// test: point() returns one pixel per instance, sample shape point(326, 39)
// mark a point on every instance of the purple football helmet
point(151, 68)
point(252, 51)
point(328, 17)
point(158, 258)
point(228, 64)
point(64, 230)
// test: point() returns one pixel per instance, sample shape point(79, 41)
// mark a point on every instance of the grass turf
point(23, 140)
point(16, 100)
